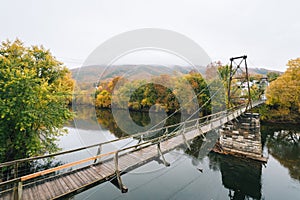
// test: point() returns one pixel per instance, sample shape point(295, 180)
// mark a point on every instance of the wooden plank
point(73, 179)
point(69, 183)
point(130, 160)
point(104, 170)
point(83, 177)
point(43, 192)
point(150, 151)
point(7, 196)
point(86, 175)
point(55, 188)
point(137, 155)
point(39, 192)
point(29, 192)
point(94, 173)
point(25, 195)
point(97, 169)
point(134, 157)
point(108, 168)
point(97, 172)
point(122, 164)
point(64, 186)
point(61, 188)
point(81, 182)
point(110, 165)
point(51, 190)
point(35, 191)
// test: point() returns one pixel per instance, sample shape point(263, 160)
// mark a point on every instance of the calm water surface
point(222, 177)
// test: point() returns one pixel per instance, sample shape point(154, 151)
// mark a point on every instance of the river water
point(194, 176)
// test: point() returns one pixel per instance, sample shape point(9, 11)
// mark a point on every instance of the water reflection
point(240, 176)
point(106, 120)
point(283, 144)
point(223, 177)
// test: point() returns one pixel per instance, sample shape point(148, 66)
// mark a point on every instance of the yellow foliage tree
point(283, 94)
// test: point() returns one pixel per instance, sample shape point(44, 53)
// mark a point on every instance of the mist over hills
point(92, 73)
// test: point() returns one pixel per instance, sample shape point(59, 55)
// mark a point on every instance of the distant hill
point(262, 71)
point(91, 74)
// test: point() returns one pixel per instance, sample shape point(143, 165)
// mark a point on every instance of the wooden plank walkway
point(80, 179)
point(83, 178)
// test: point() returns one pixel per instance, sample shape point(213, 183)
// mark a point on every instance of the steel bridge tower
point(238, 70)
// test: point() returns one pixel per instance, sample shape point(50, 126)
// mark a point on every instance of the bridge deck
point(100, 172)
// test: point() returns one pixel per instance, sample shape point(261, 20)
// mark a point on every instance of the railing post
point(17, 191)
point(166, 131)
point(98, 153)
point(227, 118)
point(140, 140)
point(184, 138)
point(162, 155)
point(20, 190)
point(121, 186)
point(202, 134)
point(16, 166)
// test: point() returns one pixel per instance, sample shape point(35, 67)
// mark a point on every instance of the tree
point(283, 94)
point(35, 89)
point(103, 99)
point(201, 90)
point(272, 76)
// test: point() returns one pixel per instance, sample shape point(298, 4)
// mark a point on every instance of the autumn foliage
point(283, 94)
point(35, 89)
point(147, 94)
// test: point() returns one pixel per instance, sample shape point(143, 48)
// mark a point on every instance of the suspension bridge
point(22, 181)
point(67, 178)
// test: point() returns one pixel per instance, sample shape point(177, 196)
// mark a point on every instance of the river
point(194, 176)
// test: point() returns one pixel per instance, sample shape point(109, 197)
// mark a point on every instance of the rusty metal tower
point(239, 71)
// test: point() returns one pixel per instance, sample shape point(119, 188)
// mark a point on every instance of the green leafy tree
point(272, 76)
point(35, 89)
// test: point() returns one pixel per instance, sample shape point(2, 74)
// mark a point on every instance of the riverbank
point(275, 116)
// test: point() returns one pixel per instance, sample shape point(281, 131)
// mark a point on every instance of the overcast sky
point(267, 31)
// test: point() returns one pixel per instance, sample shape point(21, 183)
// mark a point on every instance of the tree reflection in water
point(283, 143)
point(242, 177)
point(106, 120)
